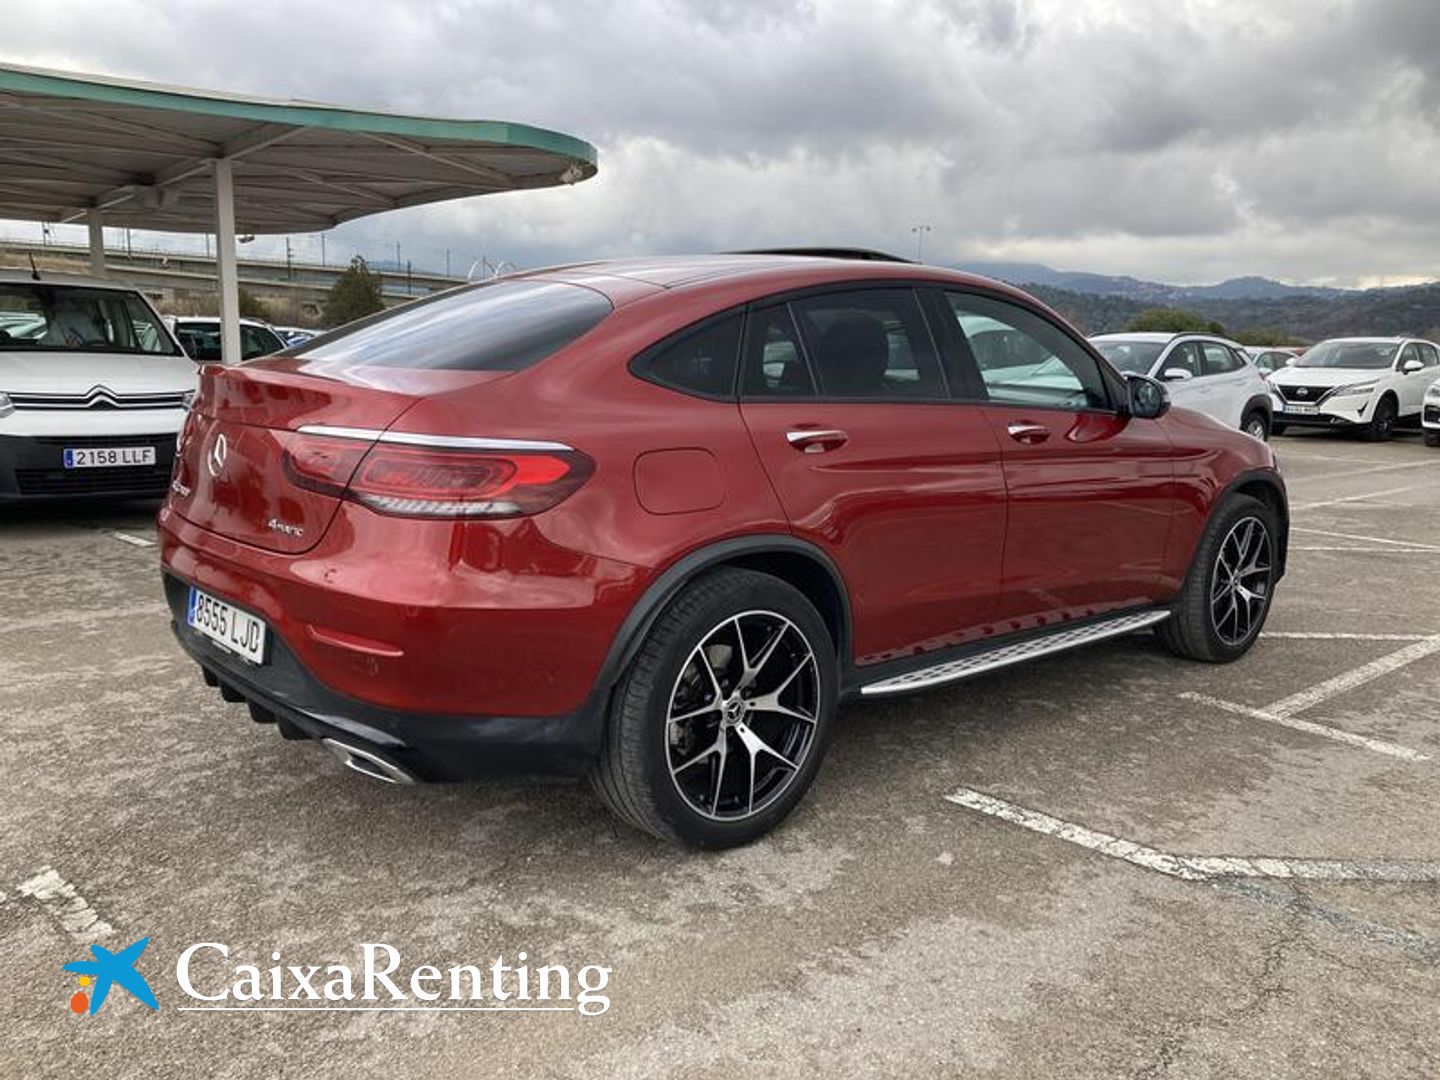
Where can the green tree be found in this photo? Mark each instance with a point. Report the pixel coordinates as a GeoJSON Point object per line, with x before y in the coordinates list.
{"type": "Point", "coordinates": [1263, 336]}
{"type": "Point", "coordinates": [356, 292]}
{"type": "Point", "coordinates": [1173, 320]}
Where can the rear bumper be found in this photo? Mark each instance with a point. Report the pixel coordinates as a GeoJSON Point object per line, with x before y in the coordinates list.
{"type": "Point", "coordinates": [32, 468]}
{"type": "Point", "coordinates": [421, 746]}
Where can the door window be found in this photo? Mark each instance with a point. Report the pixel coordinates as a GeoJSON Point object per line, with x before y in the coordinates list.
{"type": "Point", "coordinates": [775, 363]}
{"type": "Point", "coordinates": [1023, 359]}
{"type": "Point", "coordinates": [1217, 359]}
{"type": "Point", "coordinates": [1408, 353]}
{"type": "Point", "coordinates": [870, 343]}
{"type": "Point", "coordinates": [1184, 357]}
{"type": "Point", "coordinates": [1429, 354]}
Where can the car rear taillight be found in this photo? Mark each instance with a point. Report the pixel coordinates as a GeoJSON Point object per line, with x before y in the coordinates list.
{"type": "Point", "coordinates": [422, 481]}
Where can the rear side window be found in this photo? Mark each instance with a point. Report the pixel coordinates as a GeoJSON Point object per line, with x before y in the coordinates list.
{"type": "Point", "coordinates": [701, 362]}
{"type": "Point", "coordinates": [501, 326]}
{"type": "Point", "coordinates": [870, 343]}
{"type": "Point", "coordinates": [1218, 359]}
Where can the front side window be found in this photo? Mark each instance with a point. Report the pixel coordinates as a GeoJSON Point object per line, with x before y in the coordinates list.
{"type": "Point", "coordinates": [1408, 353]}
{"type": "Point", "coordinates": [870, 343]}
{"type": "Point", "coordinates": [1024, 359]}
{"type": "Point", "coordinates": [1184, 357]}
{"type": "Point", "coordinates": [701, 362]}
{"type": "Point", "coordinates": [39, 317]}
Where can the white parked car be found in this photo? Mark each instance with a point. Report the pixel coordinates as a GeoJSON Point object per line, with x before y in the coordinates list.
{"type": "Point", "coordinates": [93, 389]}
{"type": "Point", "coordinates": [1371, 384]}
{"type": "Point", "coordinates": [1270, 359]}
{"type": "Point", "coordinates": [1202, 372]}
{"type": "Point", "coordinates": [1430, 415]}
{"type": "Point", "coordinates": [199, 335]}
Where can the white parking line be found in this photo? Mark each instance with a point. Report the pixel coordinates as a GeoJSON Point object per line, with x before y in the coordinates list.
{"type": "Point", "coordinates": [1359, 676]}
{"type": "Point", "coordinates": [1328, 476]}
{"type": "Point", "coordinates": [1209, 868]}
{"type": "Point", "coordinates": [1363, 550]}
{"type": "Point", "coordinates": [1379, 746]}
{"type": "Point", "coordinates": [1358, 498]}
{"type": "Point", "coordinates": [71, 910]}
{"type": "Point", "coordinates": [127, 538]}
{"type": "Point", "coordinates": [1324, 635]}
{"type": "Point", "coordinates": [1366, 539]}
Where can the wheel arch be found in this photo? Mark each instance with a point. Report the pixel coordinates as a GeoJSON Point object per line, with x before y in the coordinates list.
{"type": "Point", "coordinates": [794, 561]}
{"type": "Point", "coordinates": [1261, 402]}
{"type": "Point", "coordinates": [1266, 487]}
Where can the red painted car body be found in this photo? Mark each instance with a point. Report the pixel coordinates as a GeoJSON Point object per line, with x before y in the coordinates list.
{"type": "Point", "coordinates": [456, 645]}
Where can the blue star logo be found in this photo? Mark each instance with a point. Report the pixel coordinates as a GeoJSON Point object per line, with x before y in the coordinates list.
{"type": "Point", "coordinates": [108, 969]}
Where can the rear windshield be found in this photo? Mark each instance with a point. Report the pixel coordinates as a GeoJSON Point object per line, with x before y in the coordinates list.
{"type": "Point", "coordinates": [499, 326]}
{"type": "Point", "coordinates": [36, 317]}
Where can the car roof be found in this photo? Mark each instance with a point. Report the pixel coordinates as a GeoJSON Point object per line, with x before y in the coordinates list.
{"type": "Point", "coordinates": [216, 320]}
{"type": "Point", "coordinates": [752, 275]}
{"type": "Point", "coordinates": [15, 275]}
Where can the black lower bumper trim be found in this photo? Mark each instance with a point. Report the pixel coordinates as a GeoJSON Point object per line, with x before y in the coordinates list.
{"type": "Point", "coordinates": [428, 747]}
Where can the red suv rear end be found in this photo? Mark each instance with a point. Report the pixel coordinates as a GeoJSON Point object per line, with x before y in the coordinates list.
{"type": "Point", "coordinates": [653, 520]}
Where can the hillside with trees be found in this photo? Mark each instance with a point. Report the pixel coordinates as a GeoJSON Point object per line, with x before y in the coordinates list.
{"type": "Point", "coordinates": [1409, 310]}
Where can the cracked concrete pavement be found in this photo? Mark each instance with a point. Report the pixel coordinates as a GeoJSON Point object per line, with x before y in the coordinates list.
{"type": "Point", "coordinates": [883, 931]}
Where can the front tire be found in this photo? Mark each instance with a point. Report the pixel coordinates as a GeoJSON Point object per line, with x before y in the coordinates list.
{"type": "Point", "coordinates": [1432, 438]}
{"type": "Point", "coordinates": [1277, 429]}
{"type": "Point", "coordinates": [1256, 425]}
{"type": "Point", "coordinates": [1382, 423]}
{"type": "Point", "coordinates": [720, 724]}
{"type": "Point", "coordinates": [1227, 593]}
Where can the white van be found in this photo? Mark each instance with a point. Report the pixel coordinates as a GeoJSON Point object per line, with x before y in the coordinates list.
{"type": "Point", "coordinates": [93, 389]}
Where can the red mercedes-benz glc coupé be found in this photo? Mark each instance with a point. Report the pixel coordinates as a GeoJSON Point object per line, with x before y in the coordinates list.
{"type": "Point", "coordinates": [653, 520]}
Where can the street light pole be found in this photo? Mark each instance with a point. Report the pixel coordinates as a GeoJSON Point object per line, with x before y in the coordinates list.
{"type": "Point", "coordinates": [920, 231]}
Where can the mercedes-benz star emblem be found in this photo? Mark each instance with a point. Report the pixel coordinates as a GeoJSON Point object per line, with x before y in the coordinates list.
{"type": "Point", "coordinates": [215, 460]}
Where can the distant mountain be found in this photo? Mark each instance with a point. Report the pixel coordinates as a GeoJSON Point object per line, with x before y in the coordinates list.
{"type": "Point", "coordinates": [1153, 293]}
{"type": "Point", "coordinates": [1308, 316]}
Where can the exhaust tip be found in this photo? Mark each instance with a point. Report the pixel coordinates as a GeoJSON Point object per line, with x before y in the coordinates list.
{"type": "Point", "coordinates": [368, 763]}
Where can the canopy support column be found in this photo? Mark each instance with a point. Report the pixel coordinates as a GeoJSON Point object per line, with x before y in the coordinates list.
{"type": "Point", "coordinates": [97, 242]}
{"type": "Point", "coordinates": [225, 262]}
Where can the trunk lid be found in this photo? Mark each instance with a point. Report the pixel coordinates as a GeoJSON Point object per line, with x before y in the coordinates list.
{"type": "Point", "coordinates": [231, 475]}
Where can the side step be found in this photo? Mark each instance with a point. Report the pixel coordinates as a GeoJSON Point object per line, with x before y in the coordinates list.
{"type": "Point", "coordinates": [1019, 652]}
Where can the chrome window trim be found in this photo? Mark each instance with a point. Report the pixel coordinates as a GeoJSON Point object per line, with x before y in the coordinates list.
{"type": "Point", "coordinates": [441, 442]}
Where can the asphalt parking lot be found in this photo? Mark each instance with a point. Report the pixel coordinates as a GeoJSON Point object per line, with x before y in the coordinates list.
{"type": "Point", "coordinates": [1110, 863]}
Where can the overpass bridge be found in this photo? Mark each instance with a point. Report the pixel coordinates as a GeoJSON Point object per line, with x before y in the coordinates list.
{"type": "Point", "coordinates": [178, 275]}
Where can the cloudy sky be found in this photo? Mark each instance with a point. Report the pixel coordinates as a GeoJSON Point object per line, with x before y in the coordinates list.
{"type": "Point", "coordinates": [1180, 140]}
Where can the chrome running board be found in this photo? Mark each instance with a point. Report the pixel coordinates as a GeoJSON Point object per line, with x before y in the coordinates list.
{"type": "Point", "coordinates": [1020, 651]}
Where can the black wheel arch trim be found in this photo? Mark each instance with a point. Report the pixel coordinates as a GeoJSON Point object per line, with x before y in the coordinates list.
{"type": "Point", "coordinates": [1261, 402]}
{"type": "Point", "coordinates": [1271, 479]}
{"type": "Point", "coordinates": [632, 631]}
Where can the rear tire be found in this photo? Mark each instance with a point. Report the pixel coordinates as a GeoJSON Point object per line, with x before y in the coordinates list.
{"type": "Point", "coordinates": [1227, 593]}
{"type": "Point", "coordinates": [721, 722]}
{"type": "Point", "coordinates": [1382, 423]}
{"type": "Point", "coordinates": [1256, 424]}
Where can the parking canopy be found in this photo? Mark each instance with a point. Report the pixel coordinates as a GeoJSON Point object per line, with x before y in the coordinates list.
{"type": "Point", "coordinates": [113, 152]}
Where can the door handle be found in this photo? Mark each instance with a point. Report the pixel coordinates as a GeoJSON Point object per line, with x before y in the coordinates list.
{"type": "Point", "coordinates": [816, 440]}
{"type": "Point", "coordinates": [1028, 433]}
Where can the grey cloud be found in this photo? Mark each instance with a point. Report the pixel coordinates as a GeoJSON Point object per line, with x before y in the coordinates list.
{"type": "Point", "coordinates": [1136, 134]}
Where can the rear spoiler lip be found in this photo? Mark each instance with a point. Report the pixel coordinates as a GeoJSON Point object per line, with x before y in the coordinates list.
{"type": "Point", "coordinates": [439, 442]}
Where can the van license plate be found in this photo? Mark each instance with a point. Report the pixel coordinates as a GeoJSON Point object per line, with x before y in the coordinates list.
{"type": "Point", "coordinates": [108, 457]}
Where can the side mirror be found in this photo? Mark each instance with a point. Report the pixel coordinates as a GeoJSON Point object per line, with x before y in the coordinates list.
{"type": "Point", "coordinates": [1411, 366]}
{"type": "Point", "coordinates": [1148, 398]}
{"type": "Point", "coordinates": [1175, 374]}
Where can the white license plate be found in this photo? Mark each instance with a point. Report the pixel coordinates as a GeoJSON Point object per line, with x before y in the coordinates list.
{"type": "Point", "coordinates": [233, 630]}
{"type": "Point", "coordinates": [1301, 410]}
{"type": "Point", "coordinates": [108, 457]}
